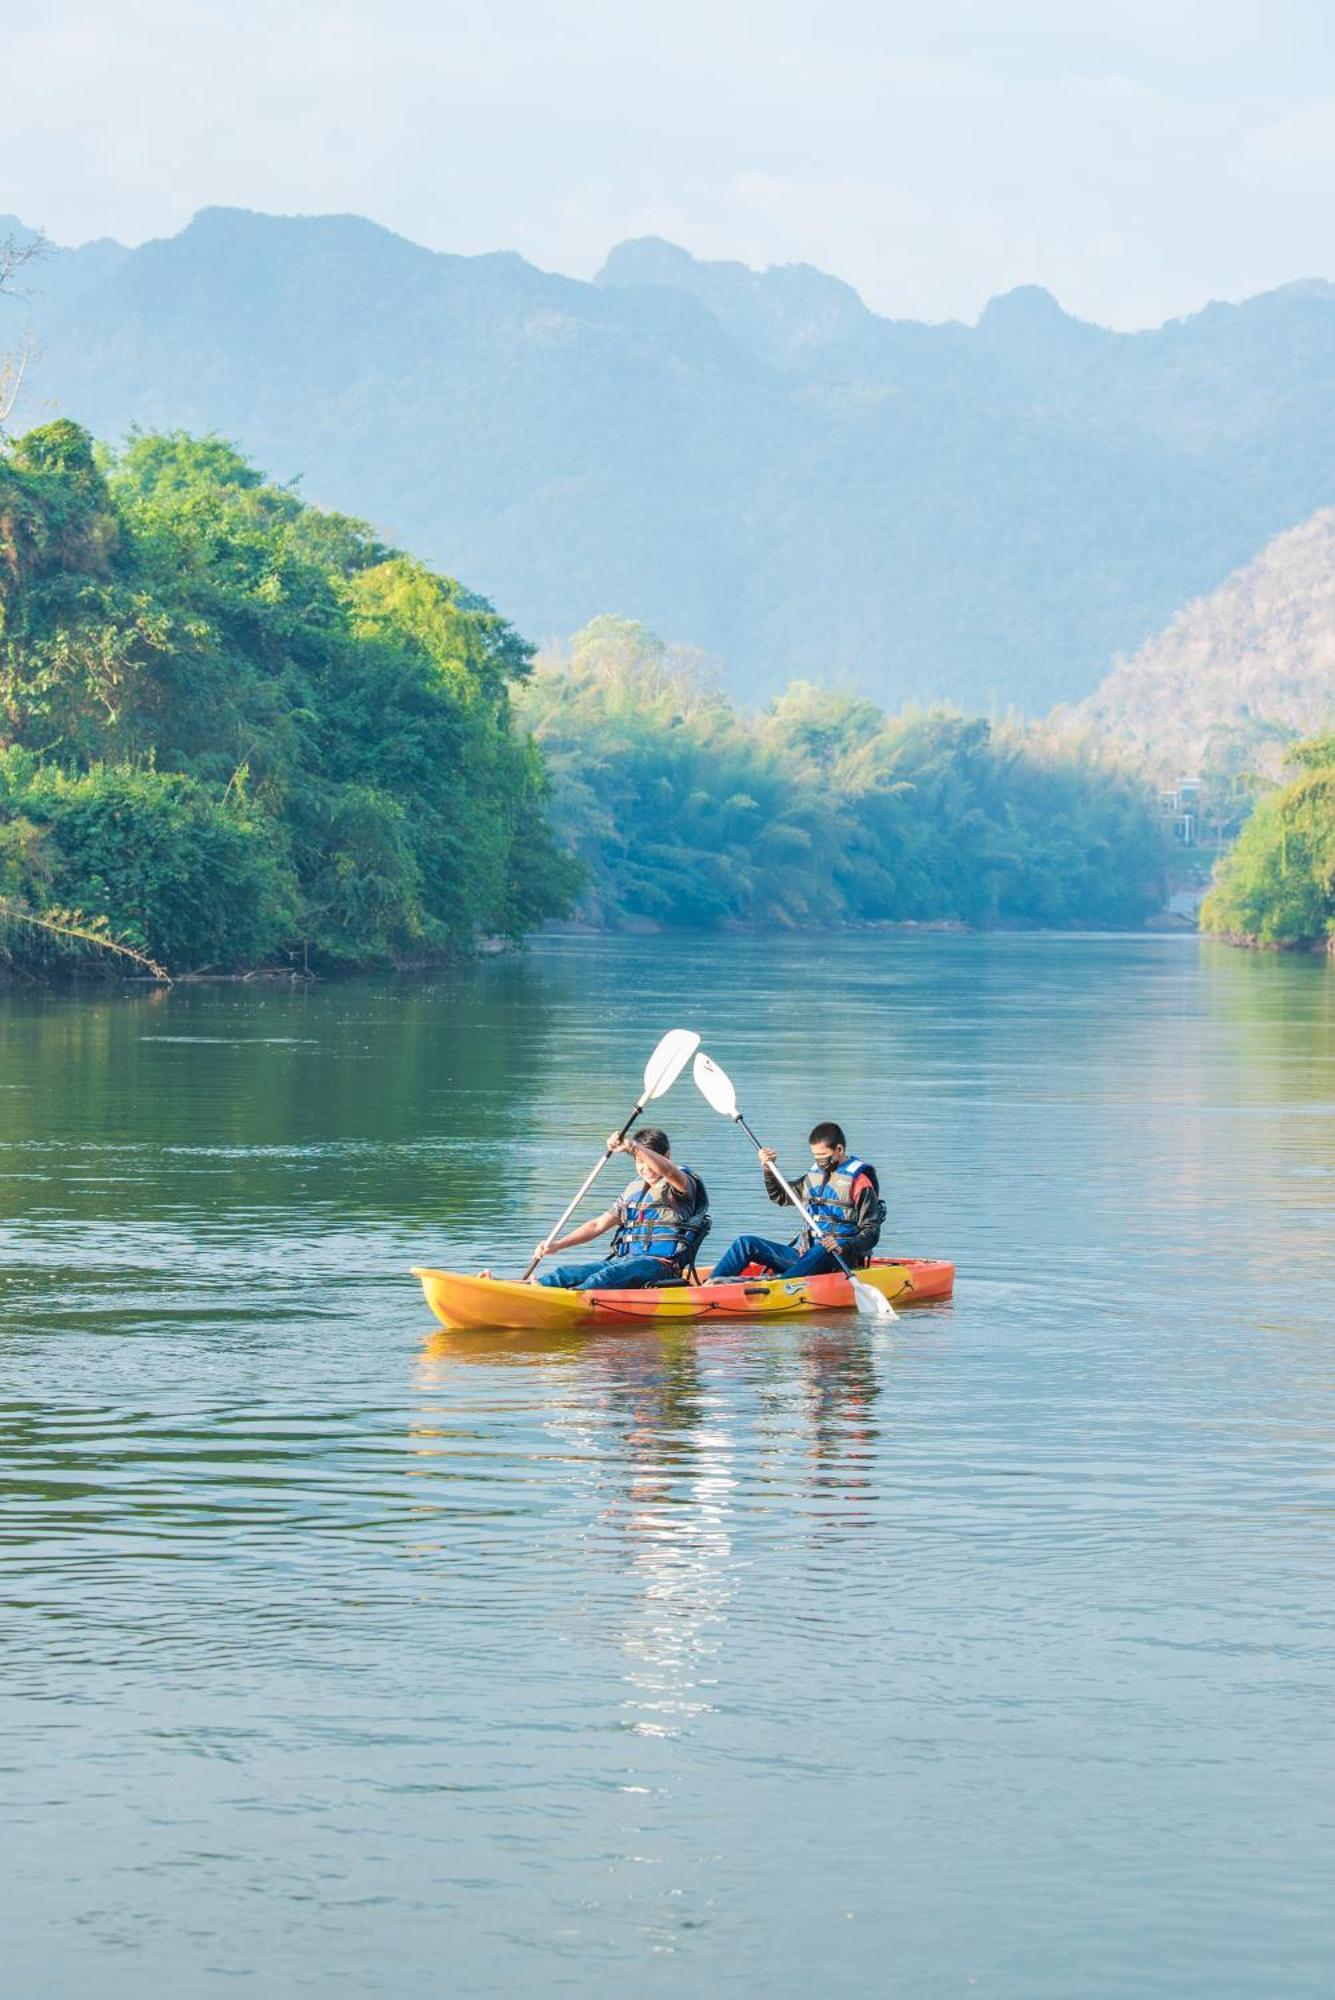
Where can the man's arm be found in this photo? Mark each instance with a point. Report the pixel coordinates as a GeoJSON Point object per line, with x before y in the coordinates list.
{"type": "Point", "coordinates": [584, 1234]}
{"type": "Point", "coordinates": [767, 1156]}
{"type": "Point", "coordinates": [664, 1168]}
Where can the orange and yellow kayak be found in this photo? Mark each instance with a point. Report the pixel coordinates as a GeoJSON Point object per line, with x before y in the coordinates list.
{"type": "Point", "coordinates": [482, 1304]}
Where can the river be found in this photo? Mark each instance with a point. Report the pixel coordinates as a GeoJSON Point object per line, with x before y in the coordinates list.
{"type": "Point", "coordinates": [992, 1651]}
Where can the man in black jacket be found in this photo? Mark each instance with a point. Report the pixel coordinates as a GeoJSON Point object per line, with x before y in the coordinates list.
{"type": "Point", "coordinates": [844, 1197]}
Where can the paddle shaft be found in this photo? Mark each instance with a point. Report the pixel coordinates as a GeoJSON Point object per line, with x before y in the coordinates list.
{"type": "Point", "coordinates": [592, 1177]}
{"type": "Point", "coordinates": [795, 1199]}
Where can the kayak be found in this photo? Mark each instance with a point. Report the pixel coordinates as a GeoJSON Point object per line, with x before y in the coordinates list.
{"type": "Point", "coordinates": [478, 1304]}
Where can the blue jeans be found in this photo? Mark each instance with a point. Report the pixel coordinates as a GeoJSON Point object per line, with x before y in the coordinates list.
{"type": "Point", "coordinates": [618, 1274]}
{"type": "Point", "coordinates": [784, 1259]}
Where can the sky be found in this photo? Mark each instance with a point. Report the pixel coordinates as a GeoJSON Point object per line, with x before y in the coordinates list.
{"type": "Point", "coordinates": [1137, 158]}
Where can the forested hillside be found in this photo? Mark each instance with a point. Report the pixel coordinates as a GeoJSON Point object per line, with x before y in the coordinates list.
{"type": "Point", "coordinates": [234, 729]}
{"type": "Point", "coordinates": [752, 461]}
{"type": "Point", "coordinates": [1237, 675]}
{"type": "Point", "coordinates": [823, 810]}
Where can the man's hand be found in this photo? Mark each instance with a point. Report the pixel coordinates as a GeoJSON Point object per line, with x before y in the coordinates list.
{"type": "Point", "coordinates": [544, 1249]}
{"type": "Point", "coordinates": [829, 1242]}
{"type": "Point", "coordinates": [767, 1156]}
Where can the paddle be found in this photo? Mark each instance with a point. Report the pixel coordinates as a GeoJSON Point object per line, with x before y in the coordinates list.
{"type": "Point", "coordinates": [661, 1071]}
{"type": "Point", "coordinates": [716, 1086]}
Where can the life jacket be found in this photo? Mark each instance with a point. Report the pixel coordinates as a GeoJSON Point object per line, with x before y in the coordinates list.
{"type": "Point", "coordinates": [666, 1228]}
{"type": "Point", "coordinates": [829, 1196]}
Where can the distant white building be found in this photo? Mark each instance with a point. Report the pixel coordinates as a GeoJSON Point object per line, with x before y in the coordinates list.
{"type": "Point", "coordinates": [1181, 805]}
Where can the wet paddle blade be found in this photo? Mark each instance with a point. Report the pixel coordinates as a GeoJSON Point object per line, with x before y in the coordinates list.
{"type": "Point", "coordinates": [715, 1085]}
{"type": "Point", "coordinates": [668, 1061]}
{"type": "Point", "coordinates": [870, 1303]}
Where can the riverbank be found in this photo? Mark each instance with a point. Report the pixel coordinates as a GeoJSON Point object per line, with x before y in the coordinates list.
{"type": "Point", "coordinates": [1293, 947]}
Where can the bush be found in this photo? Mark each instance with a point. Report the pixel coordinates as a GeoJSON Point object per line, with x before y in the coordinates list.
{"type": "Point", "coordinates": [170, 871]}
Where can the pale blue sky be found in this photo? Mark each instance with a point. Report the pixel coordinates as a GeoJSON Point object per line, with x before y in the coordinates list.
{"type": "Point", "coordinates": [1136, 158]}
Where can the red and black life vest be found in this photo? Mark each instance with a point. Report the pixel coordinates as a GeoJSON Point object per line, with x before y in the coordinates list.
{"type": "Point", "coordinates": [828, 1193]}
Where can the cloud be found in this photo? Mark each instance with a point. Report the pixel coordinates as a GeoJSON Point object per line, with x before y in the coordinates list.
{"type": "Point", "coordinates": [1290, 149]}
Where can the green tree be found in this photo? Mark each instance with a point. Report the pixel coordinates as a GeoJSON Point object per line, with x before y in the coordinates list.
{"type": "Point", "coordinates": [168, 612]}
{"type": "Point", "coordinates": [1277, 885]}
{"type": "Point", "coordinates": [686, 811]}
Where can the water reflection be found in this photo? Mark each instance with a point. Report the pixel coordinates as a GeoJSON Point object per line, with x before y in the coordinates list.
{"type": "Point", "coordinates": [630, 1422]}
{"type": "Point", "coordinates": [656, 1427]}
{"type": "Point", "coordinates": [360, 1100]}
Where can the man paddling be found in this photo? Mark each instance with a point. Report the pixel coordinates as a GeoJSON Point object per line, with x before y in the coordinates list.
{"type": "Point", "coordinates": [844, 1197]}
{"type": "Point", "coordinates": [660, 1222]}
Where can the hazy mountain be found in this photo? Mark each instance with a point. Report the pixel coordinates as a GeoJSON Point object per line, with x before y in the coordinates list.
{"type": "Point", "coordinates": [775, 314]}
{"type": "Point", "coordinates": [1237, 674]}
{"type": "Point", "coordinates": [751, 461]}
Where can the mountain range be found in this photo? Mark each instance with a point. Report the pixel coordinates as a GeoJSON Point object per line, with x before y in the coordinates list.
{"type": "Point", "coordinates": [750, 461]}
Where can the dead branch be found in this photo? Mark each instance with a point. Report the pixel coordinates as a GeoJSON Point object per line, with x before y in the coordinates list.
{"type": "Point", "coordinates": [86, 935]}
{"type": "Point", "coordinates": [15, 253]}
{"type": "Point", "coordinates": [13, 367]}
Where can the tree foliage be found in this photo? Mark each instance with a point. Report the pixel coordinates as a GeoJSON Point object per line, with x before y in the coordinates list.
{"type": "Point", "coordinates": [1277, 885]}
{"type": "Point", "coordinates": [685, 810]}
{"type": "Point", "coordinates": [235, 727]}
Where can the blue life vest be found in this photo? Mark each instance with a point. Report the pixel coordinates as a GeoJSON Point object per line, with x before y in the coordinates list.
{"type": "Point", "coordinates": [829, 1196]}
{"type": "Point", "coordinates": [673, 1228]}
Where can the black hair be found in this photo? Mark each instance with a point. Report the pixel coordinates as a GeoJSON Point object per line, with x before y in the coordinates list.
{"type": "Point", "coordinates": [828, 1134]}
{"type": "Point", "coordinates": [650, 1136]}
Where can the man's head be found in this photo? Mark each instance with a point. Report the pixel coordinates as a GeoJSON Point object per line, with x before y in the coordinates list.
{"type": "Point", "coordinates": [656, 1141]}
{"type": "Point", "coordinates": [828, 1144]}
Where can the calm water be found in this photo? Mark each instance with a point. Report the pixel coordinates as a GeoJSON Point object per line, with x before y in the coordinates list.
{"type": "Point", "coordinates": [995, 1653]}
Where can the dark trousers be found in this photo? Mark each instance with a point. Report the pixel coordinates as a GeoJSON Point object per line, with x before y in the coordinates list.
{"type": "Point", "coordinates": [617, 1274]}
{"type": "Point", "coordinates": [785, 1260]}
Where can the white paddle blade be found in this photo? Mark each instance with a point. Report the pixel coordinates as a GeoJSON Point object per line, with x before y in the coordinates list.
{"type": "Point", "coordinates": [715, 1085]}
{"type": "Point", "coordinates": [668, 1061]}
{"type": "Point", "coordinates": [870, 1303]}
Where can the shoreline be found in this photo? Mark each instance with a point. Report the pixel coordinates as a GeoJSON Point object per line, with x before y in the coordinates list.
{"type": "Point", "coordinates": [1287, 947]}
{"type": "Point", "coordinates": [95, 978]}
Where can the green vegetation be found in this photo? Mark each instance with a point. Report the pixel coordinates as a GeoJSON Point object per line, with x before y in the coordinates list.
{"type": "Point", "coordinates": [234, 729]}
{"type": "Point", "coordinates": [1277, 886]}
{"type": "Point", "coordinates": [686, 811]}
{"type": "Point", "coordinates": [237, 731]}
